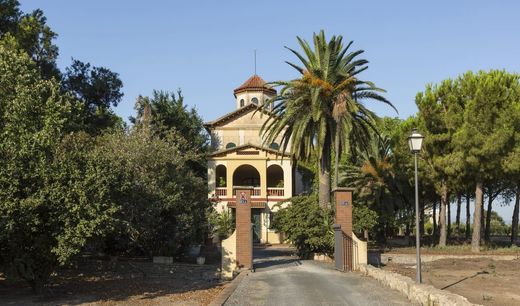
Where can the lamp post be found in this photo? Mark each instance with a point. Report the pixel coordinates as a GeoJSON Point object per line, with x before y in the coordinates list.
{"type": "Point", "coordinates": [415, 143]}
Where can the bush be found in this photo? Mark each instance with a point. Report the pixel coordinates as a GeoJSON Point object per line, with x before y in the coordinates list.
{"type": "Point", "coordinates": [307, 226]}
{"type": "Point", "coordinates": [221, 224]}
{"type": "Point", "coordinates": [363, 218]}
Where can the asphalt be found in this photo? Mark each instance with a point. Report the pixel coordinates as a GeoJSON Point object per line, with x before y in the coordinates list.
{"type": "Point", "coordinates": [281, 279]}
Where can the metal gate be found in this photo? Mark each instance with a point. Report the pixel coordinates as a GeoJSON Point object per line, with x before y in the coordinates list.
{"type": "Point", "coordinates": [345, 250]}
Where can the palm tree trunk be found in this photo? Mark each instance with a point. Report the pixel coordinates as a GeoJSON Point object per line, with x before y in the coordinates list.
{"type": "Point", "coordinates": [514, 224]}
{"type": "Point", "coordinates": [457, 216]}
{"type": "Point", "coordinates": [487, 233]}
{"type": "Point", "coordinates": [336, 162]}
{"type": "Point", "coordinates": [475, 239]}
{"type": "Point", "coordinates": [442, 215]}
{"type": "Point", "coordinates": [468, 216]}
{"type": "Point", "coordinates": [324, 177]}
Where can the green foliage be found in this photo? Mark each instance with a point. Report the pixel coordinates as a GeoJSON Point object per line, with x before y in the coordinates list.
{"type": "Point", "coordinates": [380, 177]}
{"type": "Point", "coordinates": [60, 192]}
{"type": "Point", "coordinates": [363, 218]}
{"type": "Point", "coordinates": [323, 106]}
{"type": "Point", "coordinates": [222, 224]}
{"type": "Point", "coordinates": [307, 226]}
{"type": "Point", "coordinates": [30, 33]}
{"type": "Point", "coordinates": [42, 223]}
{"type": "Point", "coordinates": [168, 111]}
{"type": "Point", "coordinates": [161, 200]}
{"type": "Point", "coordinates": [428, 228]}
{"type": "Point", "coordinates": [221, 182]}
{"type": "Point", "coordinates": [97, 88]}
{"type": "Point", "coordinates": [498, 226]}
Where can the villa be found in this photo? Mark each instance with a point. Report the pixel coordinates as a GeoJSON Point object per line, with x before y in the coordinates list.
{"type": "Point", "coordinates": [239, 157]}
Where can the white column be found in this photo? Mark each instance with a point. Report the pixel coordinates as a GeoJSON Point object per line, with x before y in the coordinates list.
{"type": "Point", "coordinates": [212, 183]}
{"type": "Point", "coordinates": [287, 178]}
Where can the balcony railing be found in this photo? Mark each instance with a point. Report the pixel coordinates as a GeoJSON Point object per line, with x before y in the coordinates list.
{"type": "Point", "coordinates": [256, 192]}
{"type": "Point", "coordinates": [275, 191]}
{"type": "Point", "coordinates": [221, 191]}
{"type": "Point", "coordinates": [271, 191]}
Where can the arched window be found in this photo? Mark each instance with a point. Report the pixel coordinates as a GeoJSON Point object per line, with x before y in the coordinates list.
{"type": "Point", "coordinates": [274, 146]}
{"type": "Point", "coordinates": [275, 176]}
{"type": "Point", "coordinates": [246, 175]}
{"type": "Point", "coordinates": [220, 172]}
{"type": "Point", "coordinates": [254, 101]}
{"type": "Point", "coordinates": [230, 145]}
{"type": "Point", "coordinates": [242, 102]}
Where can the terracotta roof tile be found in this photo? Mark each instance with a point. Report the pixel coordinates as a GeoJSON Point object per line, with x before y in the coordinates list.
{"type": "Point", "coordinates": [255, 83]}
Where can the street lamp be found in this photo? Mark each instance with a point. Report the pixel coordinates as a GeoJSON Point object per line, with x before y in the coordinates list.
{"type": "Point", "coordinates": [415, 143]}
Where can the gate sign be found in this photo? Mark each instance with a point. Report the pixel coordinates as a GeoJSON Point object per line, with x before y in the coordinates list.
{"type": "Point", "coordinates": [243, 199]}
{"type": "Point", "coordinates": [344, 203]}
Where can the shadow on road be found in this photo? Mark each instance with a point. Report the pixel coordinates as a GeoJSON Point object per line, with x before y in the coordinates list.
{"type": "Point", "coordinates": [274, 257]}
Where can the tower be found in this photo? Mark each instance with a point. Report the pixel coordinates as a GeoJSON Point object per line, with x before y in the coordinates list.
{"type": "Point", "coordinates": [253, 91]}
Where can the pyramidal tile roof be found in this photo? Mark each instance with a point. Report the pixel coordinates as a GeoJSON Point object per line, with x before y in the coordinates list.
{"type": "Point", "coordinates": [255, 83]}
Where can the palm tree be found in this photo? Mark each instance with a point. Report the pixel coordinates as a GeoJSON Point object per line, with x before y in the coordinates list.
{"type": "Point", "coordinates": [378, 183]}
{"type": "Point", "coordinates": [323, 106]}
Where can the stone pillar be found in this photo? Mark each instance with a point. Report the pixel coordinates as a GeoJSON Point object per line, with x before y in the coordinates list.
{"type": "Point", "coordinates": [343, 197]}
{"type": "Point", "coordinates": [244, 232]}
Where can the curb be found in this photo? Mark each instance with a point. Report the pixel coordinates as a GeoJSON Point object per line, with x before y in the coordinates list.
{"type": "Point", "coordinates": [410, 258]}
{"type": "Point", "coordinates": [224, 295]}
{"type": "Point", "coordinates": [419, 293]}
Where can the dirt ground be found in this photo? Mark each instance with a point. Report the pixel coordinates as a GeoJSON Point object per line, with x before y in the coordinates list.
{"type": "Point", "coordinates": [482, 280]}
{"type": "Point", "coordinates": [128, 283]}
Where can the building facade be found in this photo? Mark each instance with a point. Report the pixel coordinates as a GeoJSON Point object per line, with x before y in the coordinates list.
{"type": "Point", "coordinates": [239, 157]}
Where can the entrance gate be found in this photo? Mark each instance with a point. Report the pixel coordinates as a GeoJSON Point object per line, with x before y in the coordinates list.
{"type": "Point", "coordinates": [237, 250]}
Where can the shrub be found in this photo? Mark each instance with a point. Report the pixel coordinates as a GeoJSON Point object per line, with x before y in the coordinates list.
{"type": "Point", "coordinates": [221, 224]}
{"type": "Point", "coordinates": [307, 226]}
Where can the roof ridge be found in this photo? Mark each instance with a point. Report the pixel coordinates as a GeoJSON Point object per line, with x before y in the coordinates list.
{"type": "Point", "coordinates": [255, 82]}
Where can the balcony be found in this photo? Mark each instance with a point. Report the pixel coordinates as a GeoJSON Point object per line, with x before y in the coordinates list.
{"type": "Point", "coordinates": [247, 175]}
{"type": "Point", "coordinates": [275, 192]}
{"type": "Point", "coordinates": [256, 192]}
{"type": "Point", "coordinates": [221, 191]}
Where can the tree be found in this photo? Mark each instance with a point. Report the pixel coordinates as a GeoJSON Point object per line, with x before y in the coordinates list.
{"type": "Point", "coordinates": [168, 111]}
{"type": "Point", "coordinates": [511, 165]}
{"type": "Point", "coordinates": [487, 133]}
{"type": "Point", "coordinates": [322, 105]}
{"type": "Point", "coordinates": [47, 209]}
{"type": "Point", "coordinates": [98, 89]}
{"type": "Point", "coordinates": [440, 114]}
{"type": "Point", "coordinates": [156, 185]}
{"type": "Point", "coordinates": [363, 219]}
{"type": "Point", "coordinates": [30, 33]}
{"type": "Point", "coordinates": [379, 175]}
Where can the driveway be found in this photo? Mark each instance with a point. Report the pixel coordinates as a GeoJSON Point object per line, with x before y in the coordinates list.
{"type": "Point", "coordinates": [282, 279]}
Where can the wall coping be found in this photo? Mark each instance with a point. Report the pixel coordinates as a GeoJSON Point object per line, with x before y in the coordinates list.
{"type": "Point", "coordinates": [418, 293]}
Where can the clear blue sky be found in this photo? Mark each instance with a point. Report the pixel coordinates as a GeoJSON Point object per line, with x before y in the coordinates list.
{"type": "Point", "coordinates": [206, 47]}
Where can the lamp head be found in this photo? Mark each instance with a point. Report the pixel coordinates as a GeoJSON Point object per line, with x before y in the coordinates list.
{"type": "Point", "coordinates": [415, 141]}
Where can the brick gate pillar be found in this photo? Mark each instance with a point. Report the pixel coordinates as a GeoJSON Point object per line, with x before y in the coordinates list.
{"type": "Point", "coordinates": [343, 199]}
{"type": "Point", "coordinates": [343, 247]}
{"type": "Point", "coordinates": [244, 232]}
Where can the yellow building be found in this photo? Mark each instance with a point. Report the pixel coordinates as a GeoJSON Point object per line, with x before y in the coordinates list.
{"type": "Point", "coordinates": [239, 158]}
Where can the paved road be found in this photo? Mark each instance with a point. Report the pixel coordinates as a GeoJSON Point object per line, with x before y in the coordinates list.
{"type": "Point", "coordinates": [281, 279]}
